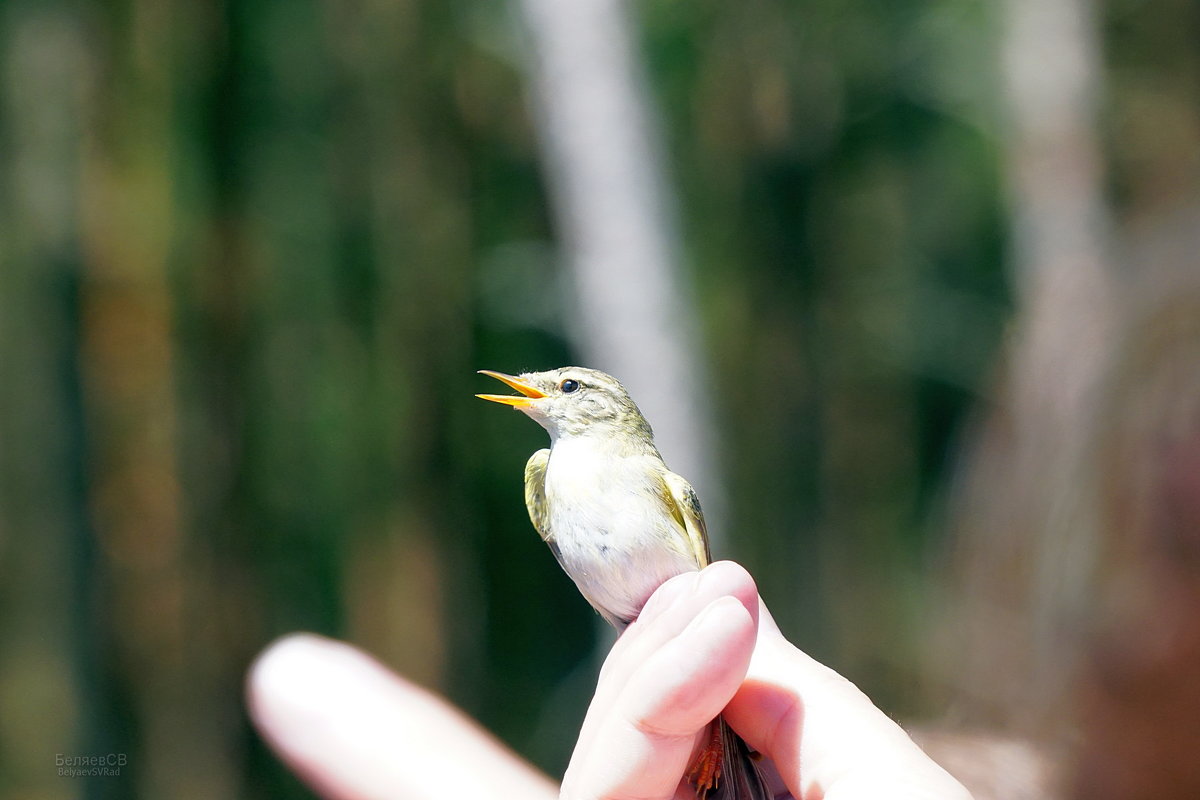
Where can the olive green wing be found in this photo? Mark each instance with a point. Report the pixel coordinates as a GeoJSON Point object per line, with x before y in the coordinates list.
{"type": "Point", "coordinates": [535, 494]}
{"type": "Point", "coordinates": [685, 506]}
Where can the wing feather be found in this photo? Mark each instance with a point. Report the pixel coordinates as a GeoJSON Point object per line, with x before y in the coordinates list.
{"type": "Point", "coordinates": [535, 495]}
{"type": "Point", "coordinates": [685, 505]}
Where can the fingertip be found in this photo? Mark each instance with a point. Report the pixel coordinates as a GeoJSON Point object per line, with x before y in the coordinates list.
{"type": "Point", "coordinates": [728, 578]}
{"type": "Point", "coordinates": [312, 699]}
{"type": "Point", "coordinates": [283, 671]}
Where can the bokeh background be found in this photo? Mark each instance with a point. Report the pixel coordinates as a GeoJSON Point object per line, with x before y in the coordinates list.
{"type": "Point", "coordinates": [935, 261]}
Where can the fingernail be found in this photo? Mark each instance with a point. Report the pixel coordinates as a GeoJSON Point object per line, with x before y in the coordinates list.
{"type": "Point", "coordinates": [718, 609]}
{"type": "Point", "coordinates": [669, 594]}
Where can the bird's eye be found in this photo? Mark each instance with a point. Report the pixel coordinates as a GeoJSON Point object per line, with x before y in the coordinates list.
{"type": "Point", "coordinates": [569, 385]}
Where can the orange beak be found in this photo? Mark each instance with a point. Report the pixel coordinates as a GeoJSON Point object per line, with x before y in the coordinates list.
{"type": "Point", "coordinates": [530, 393]}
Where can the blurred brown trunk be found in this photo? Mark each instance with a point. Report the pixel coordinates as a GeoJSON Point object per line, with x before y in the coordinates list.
{"type": "Point", "coordinates": [1140, 683]}
{"type": "Point", "coordinates": [410, 577]}
{"type": "Point", "coordinates": [1026, 515]}
{"type": "Point", "coordinates": [158, 589]}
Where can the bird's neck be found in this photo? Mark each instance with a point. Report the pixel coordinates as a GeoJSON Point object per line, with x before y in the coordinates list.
{"type": "Point", "coordinates": [603, 445]}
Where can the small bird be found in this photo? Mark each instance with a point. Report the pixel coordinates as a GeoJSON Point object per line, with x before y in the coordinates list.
{"type": "Point", "coordinates": [619, 522]}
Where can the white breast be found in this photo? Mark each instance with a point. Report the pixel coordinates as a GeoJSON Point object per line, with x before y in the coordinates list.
{"type": "Point", "coordinates": [615, 534]}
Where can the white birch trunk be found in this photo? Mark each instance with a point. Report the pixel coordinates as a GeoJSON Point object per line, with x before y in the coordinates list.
{"type": "Point", "coordinates": [630, 308]}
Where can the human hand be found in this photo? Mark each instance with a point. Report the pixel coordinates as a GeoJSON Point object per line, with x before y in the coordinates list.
{"type": "Point", "coordinates": [704, 642]}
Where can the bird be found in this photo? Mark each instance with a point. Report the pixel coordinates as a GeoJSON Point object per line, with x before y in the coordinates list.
{"type": "Point", "coordinates": [619, 522]}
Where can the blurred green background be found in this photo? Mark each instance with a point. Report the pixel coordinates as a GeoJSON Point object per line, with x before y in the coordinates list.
{"type": "Point", "coordinates": [252, 252]}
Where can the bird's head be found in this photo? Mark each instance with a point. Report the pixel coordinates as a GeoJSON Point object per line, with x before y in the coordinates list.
{"type": "Point", "coordinates": [575, 401]}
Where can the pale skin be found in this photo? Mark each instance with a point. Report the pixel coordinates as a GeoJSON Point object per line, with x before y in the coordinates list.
{"type": "Point", "coordinates": [703, 643]}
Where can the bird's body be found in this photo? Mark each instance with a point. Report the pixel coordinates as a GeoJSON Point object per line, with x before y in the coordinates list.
{"type": "Point", "coordinates": [610, 521]}
{"type": "Point", "coordinates": [619, 522]}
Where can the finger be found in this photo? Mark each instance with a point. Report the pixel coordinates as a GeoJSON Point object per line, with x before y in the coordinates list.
{"type": "Point", "coordinates": [668, 611]}
{"type": "Point", "coordinates": [642, 743]}
{"type": "Point", "coordinates": [827, 739]}
{"type": "Point", "coordinates": [672, 606]}
{"type": "Point", "coordinates": [355, 731]}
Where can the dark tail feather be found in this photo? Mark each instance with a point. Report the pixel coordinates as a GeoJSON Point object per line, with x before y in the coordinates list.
{"type": "Point", "coordinates": [741, 775]}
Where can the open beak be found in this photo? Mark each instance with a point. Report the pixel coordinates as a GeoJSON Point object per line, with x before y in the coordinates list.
{"type": "Point", "coordinates": [530, 393]}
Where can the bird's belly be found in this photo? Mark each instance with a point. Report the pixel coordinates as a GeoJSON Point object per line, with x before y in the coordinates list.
{"type": "Point", "coordinates": [618, 542]}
